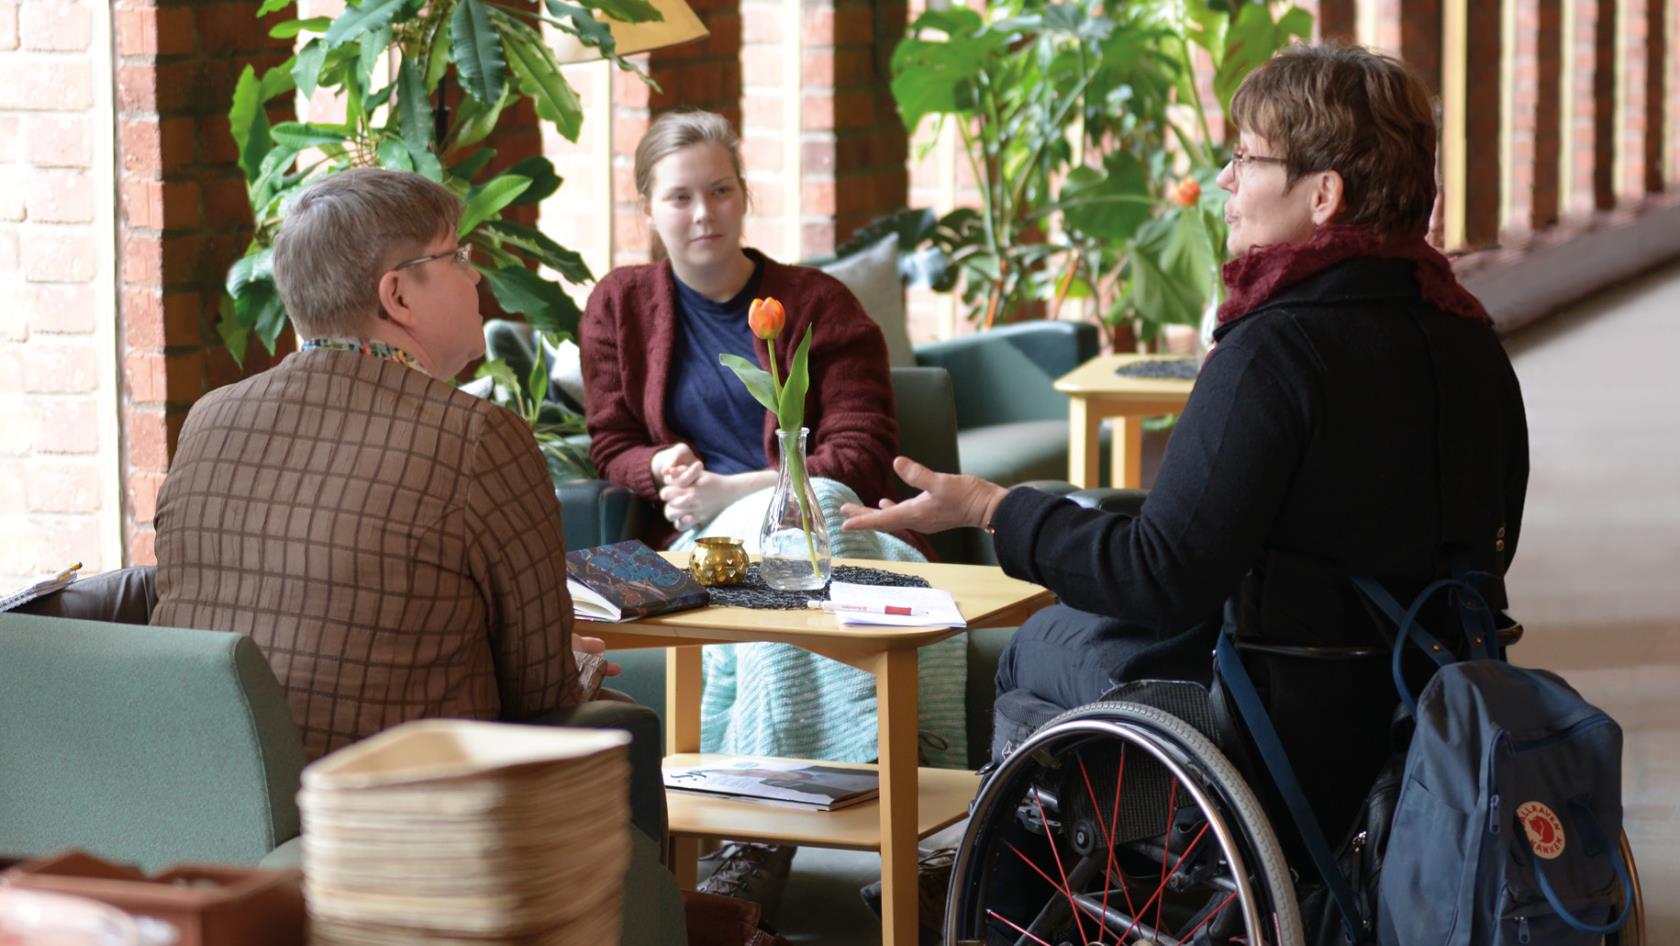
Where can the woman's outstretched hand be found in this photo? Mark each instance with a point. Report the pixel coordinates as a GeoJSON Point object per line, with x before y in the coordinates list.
{"type": "Point", "coordinates": [947, 501]}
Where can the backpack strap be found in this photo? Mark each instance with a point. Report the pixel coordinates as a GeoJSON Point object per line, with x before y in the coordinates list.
{"type": "Point", "coordinates": [1253, 712]}
{"type": "Point", "coordinates": [1472, 608]}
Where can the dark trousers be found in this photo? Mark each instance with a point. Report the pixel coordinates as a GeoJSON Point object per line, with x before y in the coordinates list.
{"type": "Point", "coordinates": [1066, 656]}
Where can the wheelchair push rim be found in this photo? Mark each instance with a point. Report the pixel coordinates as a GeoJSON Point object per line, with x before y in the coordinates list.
{"type": "Point", "coordinates": [1250, 878]}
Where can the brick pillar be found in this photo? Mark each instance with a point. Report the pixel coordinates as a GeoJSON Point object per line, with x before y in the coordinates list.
{"type": "Point", "coordinates": [1658, 63]}
{"type": "Point", "coordinates": [54, 493]}
{"type": "Point", "coordinates": [182, 220]}
{"type": "Point", "coordinates": [1482, 172]}
{"type": "Point", "coordinates": [853, 146]}
{"type": "Point", "coordinates": [1338, 20]}
{"type": "Point", "coordinates": [1420, 39]}
{"type": "Point", "coordinates": [1546, 203]}
{"type": "Point", "coordinates": [705, 74]}
{"type": "Point", "coordinates": [1603, 37]}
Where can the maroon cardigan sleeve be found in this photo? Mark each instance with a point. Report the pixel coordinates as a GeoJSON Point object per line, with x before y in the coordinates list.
{"type": "Point", "coordinates": [617, 373]}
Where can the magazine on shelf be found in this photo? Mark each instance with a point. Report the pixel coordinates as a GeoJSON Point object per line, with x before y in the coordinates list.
{"type": "Point", "coordinates": [777, 781]}
{"type": "Point", "coordinates": [627, 580]}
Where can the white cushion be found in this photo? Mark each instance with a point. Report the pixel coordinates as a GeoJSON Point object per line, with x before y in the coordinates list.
{"type": "Point", "coordinates": [566, 369]}
{"type": "Point", "coordinates": [872, 276]}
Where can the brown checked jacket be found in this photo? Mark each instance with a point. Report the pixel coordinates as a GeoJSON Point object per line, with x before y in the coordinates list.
{"type": "Point", "coordinates": [392, 544]}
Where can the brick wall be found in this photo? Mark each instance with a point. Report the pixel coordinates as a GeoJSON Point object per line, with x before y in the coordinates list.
{"type": "Point", "coordinates": [182, 220]}
{"type": "Point", "coordinates": [57, 496]}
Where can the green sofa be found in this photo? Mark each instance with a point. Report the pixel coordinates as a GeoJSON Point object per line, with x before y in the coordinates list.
{"type": "Point", "coordinates": [155, 746]}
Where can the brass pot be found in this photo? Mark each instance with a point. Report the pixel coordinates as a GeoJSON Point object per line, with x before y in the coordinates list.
{"type": "Point", "coordinates": [718, 561]}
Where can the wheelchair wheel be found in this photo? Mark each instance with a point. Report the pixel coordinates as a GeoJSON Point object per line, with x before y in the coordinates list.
{"type": "Point", "coordinates": [1118, 823]}
{"type": "Point", "coordinates": [1632, 932]}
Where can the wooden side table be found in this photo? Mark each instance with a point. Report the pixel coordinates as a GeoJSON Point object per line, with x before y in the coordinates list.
{"type": "Point", "coordinates": [913, 803]}
{"type": "Point", "coordinates": [1094, 392]}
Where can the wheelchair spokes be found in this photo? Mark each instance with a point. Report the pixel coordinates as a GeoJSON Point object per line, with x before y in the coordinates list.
{"type": "Point", "coordinates": [1101, 832]}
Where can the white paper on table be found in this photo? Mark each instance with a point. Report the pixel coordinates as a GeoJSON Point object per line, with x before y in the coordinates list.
{"type": "Point", "coordinates": [941, 608]}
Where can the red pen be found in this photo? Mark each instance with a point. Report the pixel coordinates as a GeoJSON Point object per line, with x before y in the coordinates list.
{"type": "Point", "coordinates": [895, 609]}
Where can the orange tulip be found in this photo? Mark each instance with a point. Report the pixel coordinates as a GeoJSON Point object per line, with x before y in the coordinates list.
{"type": "Point", "coordinates": [1187, 192]}
{"type": "Point", "coordinates": [766, 317]}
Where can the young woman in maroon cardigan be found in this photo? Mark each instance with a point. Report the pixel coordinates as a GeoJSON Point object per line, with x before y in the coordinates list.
{"type": "Point", "coordinates": [669, 422]}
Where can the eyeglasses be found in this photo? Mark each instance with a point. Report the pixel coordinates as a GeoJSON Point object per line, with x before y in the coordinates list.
{"type": "Point", "coordinates": [1242, 160]}
{"type": "Point", "coordinates": [462, 254]}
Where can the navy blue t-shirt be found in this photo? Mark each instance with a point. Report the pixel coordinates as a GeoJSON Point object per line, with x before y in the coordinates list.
{"type": "Point", "coordinates": [704, 402]}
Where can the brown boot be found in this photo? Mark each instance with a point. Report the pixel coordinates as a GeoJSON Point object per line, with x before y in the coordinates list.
{"type": "Point", "coordinates": [749, 870]}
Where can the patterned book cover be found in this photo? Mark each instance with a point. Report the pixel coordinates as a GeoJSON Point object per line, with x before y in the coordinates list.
{"type": "Point", "coordinates": [631, 580]}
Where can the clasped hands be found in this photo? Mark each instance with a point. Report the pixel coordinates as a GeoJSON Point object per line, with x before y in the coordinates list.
{"type": "Point", "coordinates": [947, 501]}
{"type": "Point", "coordinates": [692, 494]}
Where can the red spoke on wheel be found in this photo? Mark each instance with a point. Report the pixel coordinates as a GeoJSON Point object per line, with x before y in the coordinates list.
{"type": "Point", "coordinates": [1166, 846]}
{"type": "Point", "coordinates": [1066, 891]}
{"type": "Point", "coordinates": [996, 915]}
{"type": "Point", "coordinates": [1185, 936]}
{"type": "Point", "coordinates": [1067, 888]}
{"type": "Point", "coordinates": [1113, 828]}
{"type": "Point", "coordinates": [1162, 889]}
{"type": "Point", "coordinates": [1108, 852]}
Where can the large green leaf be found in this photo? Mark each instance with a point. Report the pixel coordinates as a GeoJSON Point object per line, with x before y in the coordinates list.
{"type": "Point", "coordinates": [468, 167]}
{"type": "Point", "coordinates": [394, 155]}
{"type": "Point", "coordinates": [589, 30]}
{"type": "Point", "coordinates": [355, 22]}
{"type": "Point", "coordinates": [544, 182]}
{"type": "Point", "coordinates": [1109, 204]}
{"type": "Point", "coordinates": [489, 200]}
{"type": "Point", "coordinates": [627, 11]}
{"type": "Point", "coordinates": [757, 380]}
{"type": "Point", "coordinates": [248, 122]}
{"type": "Point", "coordinates": [791, 412]}
{"type": "Point", "coordinates": [291, 28]}
{"type": "Point", "coordinates": [306, 72]}
{"type": "Point", "coordinates": [540, 78]}
{"type": "Point", "coordinates": [935, 77]}
{"type": "Point", "coordinates": [256, 266]}
{"type": "Point", "coordinates": [278, 80]}
{"type": "Point", "coordinates": [437, 55]}
{"type": "Point", "coordinates": [414, 106]}
{"type": "Point", "coordinates": [477, 51]}
{"type": "Point", "coordinates": [544, 304]}
{"type": "Point", "coordinates": [474, 121]}
{"type": "Point", "coordinates": [372, 50]}
{"type": "Point", "coordinates": [301, 135]}
{"type": "Point", "coordinates": [235, 336]}
{"type": "Point", "coordinates": [567, 263]}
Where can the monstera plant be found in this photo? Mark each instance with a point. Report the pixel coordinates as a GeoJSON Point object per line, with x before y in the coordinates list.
{"type": "Point", "coordinates": [423, 83]}
{"type": "Point", "coordinates": [1084, 128]}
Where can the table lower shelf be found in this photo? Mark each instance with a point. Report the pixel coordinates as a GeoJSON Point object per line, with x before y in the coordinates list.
{"type": "Point", "coordinates": [942, 799]}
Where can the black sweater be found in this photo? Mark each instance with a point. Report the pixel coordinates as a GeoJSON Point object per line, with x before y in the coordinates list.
{"type": "Point", "coordinates": [1314, 430]}
{"type": "Point", "coordinates": [1346, 427]}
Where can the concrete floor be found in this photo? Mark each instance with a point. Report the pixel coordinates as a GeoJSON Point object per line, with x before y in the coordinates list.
{"type": "Point", "coordinates": [1594, 580]}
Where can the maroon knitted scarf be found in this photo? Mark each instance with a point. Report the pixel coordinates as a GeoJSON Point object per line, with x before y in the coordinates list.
{"type": "Point", "coordinates": [1256, 277]}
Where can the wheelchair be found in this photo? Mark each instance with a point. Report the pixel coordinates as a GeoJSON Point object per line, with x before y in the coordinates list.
{"type": "Point", "coordinates": [1124, 822]}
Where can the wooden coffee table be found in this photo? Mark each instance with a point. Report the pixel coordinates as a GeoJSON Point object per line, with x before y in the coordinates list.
{"type": "Point", "coordinates": [913, 803]}
{"type": "Point", "coordinates": [1094, 392]}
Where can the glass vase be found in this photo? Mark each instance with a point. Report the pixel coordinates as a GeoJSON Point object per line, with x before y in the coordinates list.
{"type": "Point", "coordinates": [794, 538]}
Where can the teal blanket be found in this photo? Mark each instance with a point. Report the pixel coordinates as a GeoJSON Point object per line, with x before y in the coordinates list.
{"type": "Point", "coordinates": [778, 700]}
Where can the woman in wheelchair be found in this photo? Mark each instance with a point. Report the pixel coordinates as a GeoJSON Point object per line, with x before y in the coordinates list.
{"type": "Point", "coordinates": [1356, 417]}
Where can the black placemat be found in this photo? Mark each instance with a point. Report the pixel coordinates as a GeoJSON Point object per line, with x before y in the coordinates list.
{"type": "Point", "coordinates": [1176, 369]}
{"type": "Point", "coordinates": [752, 592]}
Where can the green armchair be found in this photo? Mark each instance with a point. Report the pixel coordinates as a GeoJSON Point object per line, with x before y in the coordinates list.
{"type": "Point", "coordinates": [156, 745]}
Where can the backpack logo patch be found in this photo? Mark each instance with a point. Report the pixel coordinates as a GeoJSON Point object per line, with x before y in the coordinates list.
{"type": "Point", "coordinates": [1544, 830]}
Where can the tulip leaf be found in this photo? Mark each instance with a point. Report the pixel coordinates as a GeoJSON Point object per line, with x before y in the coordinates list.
{"type": "Point", "coordinates": [477, 51]}
{"type": "Point", "coordinates": [791, 413]}
{"type": "Point", "coordinates": [755, 378]}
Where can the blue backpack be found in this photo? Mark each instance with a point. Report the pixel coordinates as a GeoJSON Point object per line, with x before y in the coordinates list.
{"type": "Point", "coordinates": [1509, 817]}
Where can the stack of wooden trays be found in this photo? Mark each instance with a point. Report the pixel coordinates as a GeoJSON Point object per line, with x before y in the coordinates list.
{"type": "Point", "coordinates": [447, 831]}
